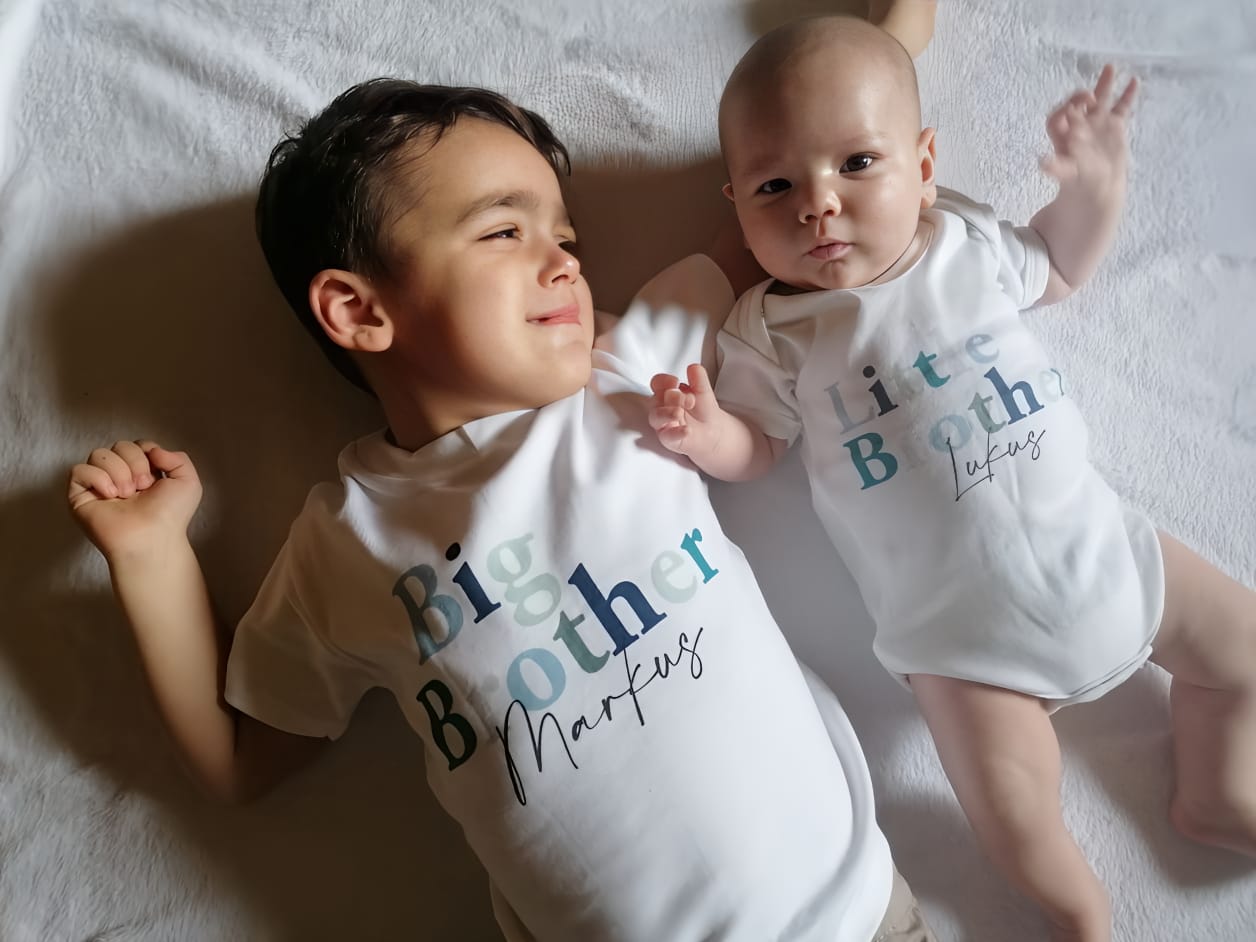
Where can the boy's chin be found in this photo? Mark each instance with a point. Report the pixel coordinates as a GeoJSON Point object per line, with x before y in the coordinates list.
{"type": "Point", "coordinates": [568, 383]}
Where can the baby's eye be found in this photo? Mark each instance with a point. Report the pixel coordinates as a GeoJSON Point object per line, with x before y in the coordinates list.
{"type": "Point", "coordinates": [569, 246]}
{"type": "Point", "coordinates": [776, 185]}
{"type": "Point", "coordinates": [857, 163]}
{"type": "Point", "coordinates": [509, 232]}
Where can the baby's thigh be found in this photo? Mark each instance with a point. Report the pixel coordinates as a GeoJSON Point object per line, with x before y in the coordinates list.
{"type": "Point", "coordinates": [1207, 634]}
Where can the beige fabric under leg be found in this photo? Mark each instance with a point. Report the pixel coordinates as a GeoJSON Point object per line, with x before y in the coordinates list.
{"type": "Point", "coordinates": [903, 920]}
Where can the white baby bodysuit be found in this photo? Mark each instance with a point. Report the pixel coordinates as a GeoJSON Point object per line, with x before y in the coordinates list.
{"type": "Point", "coordinates": [949, 465]}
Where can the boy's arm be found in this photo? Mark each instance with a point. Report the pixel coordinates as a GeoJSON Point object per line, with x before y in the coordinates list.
{"type": "Point", "coordinates": [1079, 225]}
{"type": "Point", "coordinates": [135, 502]}
{"type": "Point", "coordinates": [690, 421]}
{"type": "Point", "coordinates": [908, 21]}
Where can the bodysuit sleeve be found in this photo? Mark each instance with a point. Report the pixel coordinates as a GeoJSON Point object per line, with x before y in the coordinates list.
{"type": "Point", "coordinates": [282, 669]}
{"type": "Point", "coordinates": [752, 382]}
{"type": "Point", "coordinates": [1024, 264]}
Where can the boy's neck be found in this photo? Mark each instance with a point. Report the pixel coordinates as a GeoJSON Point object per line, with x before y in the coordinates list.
{"type": "Point", "coordinates": [409, 439]}
{"type": "Point", "coordinates": [416, 419]}
{"type": "Point", "coordinates": [411, 422]}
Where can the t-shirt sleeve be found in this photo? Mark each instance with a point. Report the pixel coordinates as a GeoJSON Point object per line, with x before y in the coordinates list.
{"type": "Point", "coordinates": [282, 669]}
{"type": "Point", "coordinates": [671, 322]}
{"type": "Point", "coordinates": [1023, 260]}
{"type": "Point", "coordinates": [752, 381]}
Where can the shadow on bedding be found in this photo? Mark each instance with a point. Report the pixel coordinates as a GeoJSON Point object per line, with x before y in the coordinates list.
{"type": "Point", "coordinates": [171, 329]}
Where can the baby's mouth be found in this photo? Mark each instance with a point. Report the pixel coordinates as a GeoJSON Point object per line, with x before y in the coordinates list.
{"type": "Point", "coordinates": [828, 250]}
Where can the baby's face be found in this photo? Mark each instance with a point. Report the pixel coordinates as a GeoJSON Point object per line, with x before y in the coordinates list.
{"type": "Point", "coordinates": [829, 171]}
{"type": "Point", "coordinates": [490, 309]}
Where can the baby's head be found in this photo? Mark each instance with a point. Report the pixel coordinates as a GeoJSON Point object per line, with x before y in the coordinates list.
{"type": "Point", "coordinates": [420, 234]}
{"type": "Point", "coordinates": [828, 165]}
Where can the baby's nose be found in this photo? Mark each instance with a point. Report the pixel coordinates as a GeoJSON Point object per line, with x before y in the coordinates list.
{"type": "Point", "coordinates": [818, 202]}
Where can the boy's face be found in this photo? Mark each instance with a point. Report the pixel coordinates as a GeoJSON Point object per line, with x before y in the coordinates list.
{"type": "Point", "coordinates": [829, 171]}
{"type": "Point", "coordinates": [489, 308]}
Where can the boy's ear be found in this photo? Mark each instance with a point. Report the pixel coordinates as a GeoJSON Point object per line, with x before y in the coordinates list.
{"type": "Point", "coordinates": [350, 311]}
{"type": "Point", "coordinates": [926, 149]}
{"type": "Point", "coordinates": [727, 190]}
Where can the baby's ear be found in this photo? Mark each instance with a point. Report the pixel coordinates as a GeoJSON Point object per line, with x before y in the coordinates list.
{"type": "Point", "coordinates": [927, 153]}
{"type": "Point", "coordinates": [727, 190]}
{"type": "Point", "coordinates": [350, 311]}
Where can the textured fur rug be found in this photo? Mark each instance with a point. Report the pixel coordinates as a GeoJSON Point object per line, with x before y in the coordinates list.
{"type": "Point", "coordinates": [133, 301]}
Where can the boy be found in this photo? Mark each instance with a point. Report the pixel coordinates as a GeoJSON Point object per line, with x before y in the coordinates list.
{"type": "Point", "coordinates": [606, 706]}
{"type": "Point", "coordinates": [945, 460]}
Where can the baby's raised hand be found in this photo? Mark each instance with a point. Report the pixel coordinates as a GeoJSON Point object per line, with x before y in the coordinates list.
{"type": "Point", "coordinates": [134, 497]}
{"type": "Point", "coordinates": [681, 410]}
{"type": "Point", "coordinates": [1088, 136]}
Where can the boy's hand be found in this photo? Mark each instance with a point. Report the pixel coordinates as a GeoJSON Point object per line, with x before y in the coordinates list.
{"type": "Point", "coordinates": [1088, 136]}
{"type": "Point", "coordinates": [682, 412]}
{"type": "Point", "coordinates": [134, 498]}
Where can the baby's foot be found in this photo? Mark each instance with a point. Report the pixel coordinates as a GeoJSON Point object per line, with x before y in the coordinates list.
{"type": "Point", "coordinates": [1215, 824]}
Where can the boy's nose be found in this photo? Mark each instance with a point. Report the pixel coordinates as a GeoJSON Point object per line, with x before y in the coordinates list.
{"type": "Point", "coordinates": [559, 265]}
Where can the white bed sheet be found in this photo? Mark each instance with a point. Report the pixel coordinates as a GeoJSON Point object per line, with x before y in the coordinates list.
{"type": "Point", "coordinates": [133, 301]}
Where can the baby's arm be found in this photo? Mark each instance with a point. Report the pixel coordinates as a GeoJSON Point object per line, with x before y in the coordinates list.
{"type": "Point", "coordinates": [1079, 225]}
{"type": "Point", "coordinates": [908, 21]}
{"type": "Point", "coordinates": [691, 422]}
{"type": "Point", "coordinates": [134, 502]}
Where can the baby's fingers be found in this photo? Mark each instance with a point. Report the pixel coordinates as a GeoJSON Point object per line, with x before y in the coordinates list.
{"type": "Point", "coordinates": [699, 381]}
{"type": "Point", "coordinates": [665, 417]}
{"type": "Point", "coordinates": [1103, 91]}
{"type": "Point", "coordinates": [1058, 127]}
{"type": "Point", "coordinates": [681, 399]}
{"type": "Point", "coordinates": [1103, 87]}
{"type": "Point", "coordinates": [1082, 102]}
{"type": "Point", "coordinates": [1125, 103]}
{"type": "Point", "coordinates": [662, 382]}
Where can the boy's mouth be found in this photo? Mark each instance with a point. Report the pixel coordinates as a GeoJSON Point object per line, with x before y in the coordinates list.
{"type": "Point", "coordinates": [570, 314]}
{"type": "Point", "coordinates": [828, 250]}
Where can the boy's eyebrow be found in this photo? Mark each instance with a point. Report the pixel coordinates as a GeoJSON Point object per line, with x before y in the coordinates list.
{"type": "Point", "coordinates": [524, 199]}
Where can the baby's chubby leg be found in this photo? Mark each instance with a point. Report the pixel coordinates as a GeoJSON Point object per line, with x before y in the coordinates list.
{"type": "Point", "coordinates": [1002, 757]}
{"type": "Point", "coordinates": [1207, 641]}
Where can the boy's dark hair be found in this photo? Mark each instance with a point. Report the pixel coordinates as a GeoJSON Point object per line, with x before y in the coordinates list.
{"type": "Point", "coordinates": [324, 195]}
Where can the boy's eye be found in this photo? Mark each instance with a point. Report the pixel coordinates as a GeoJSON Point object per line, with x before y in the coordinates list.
{"type": "Point", "coordinates": [510, 232]}
{"type": "Point", "coordinates": [857, 163]}
{"type": "Point", "coordinates": [569, 246]}
{"type": "Point", "coordinates": [776, 185]}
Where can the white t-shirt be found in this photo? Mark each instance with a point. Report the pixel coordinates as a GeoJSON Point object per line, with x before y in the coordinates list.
{"type": "Point", "coordinates": [606, 705]}
{"type": "Point", "coordinates": [949, 465]}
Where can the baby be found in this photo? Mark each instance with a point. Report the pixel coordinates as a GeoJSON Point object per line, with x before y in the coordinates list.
{"type": "Point", "coordinates": [946, 460]}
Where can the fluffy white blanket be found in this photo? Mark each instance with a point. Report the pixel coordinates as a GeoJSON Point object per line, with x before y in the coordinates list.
{"type": "Point", "coordinates": [133, 301]}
